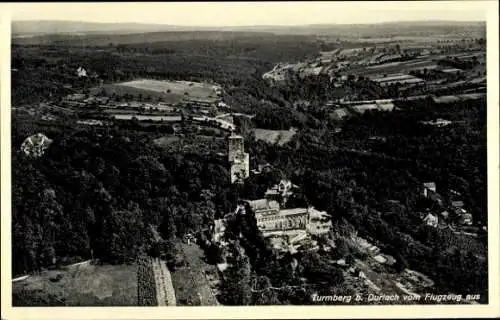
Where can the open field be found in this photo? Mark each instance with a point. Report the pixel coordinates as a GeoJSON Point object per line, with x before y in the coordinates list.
{"type": "Point", "coordinates": [176, 87]}
{"type": "Point", "coordinates": [406, 66]}
{"type": "Point", "coordinates": [166, 140]}
{"type": "Point", "coordinates": [82, 285]}
{"type": "Point", "coordinates": [146, 117]}
{"type": "Point", "coordinates": [274, 136]}
{"type": "Point", "coordinates": [121, 90]}
{"type": "Point", "coordinates": [394, 67]}
{"type": "Point", "coordinates": [171, 92]}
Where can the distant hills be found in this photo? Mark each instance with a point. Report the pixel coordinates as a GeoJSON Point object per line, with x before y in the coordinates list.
{"type": "Point", "coordinates": [44, 27]}
{"type": "Point", "coordinates": [70, 27]}
{"type": "Point", "coordinates": [46, 31]}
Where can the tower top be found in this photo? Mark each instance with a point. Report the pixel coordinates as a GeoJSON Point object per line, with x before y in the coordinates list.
{"type": "Point", "coordinates": [235, 136]}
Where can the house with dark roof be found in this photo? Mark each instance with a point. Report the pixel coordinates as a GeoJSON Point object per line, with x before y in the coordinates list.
{"type": "Point", "coordinates": [264, 206]}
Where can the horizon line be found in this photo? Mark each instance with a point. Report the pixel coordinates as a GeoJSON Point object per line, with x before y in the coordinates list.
{"type": "Point", "coordinates": [252, 25]}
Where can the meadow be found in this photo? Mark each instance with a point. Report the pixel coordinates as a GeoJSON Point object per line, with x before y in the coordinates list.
{"type": "Point", "coordinates": [171, 92]}
{"type": "Point", "coordinates": [82, 285]}
{"type": "Point", "coordinates": [279, 137]}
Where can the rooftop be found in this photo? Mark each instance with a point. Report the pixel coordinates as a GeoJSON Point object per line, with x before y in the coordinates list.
{"type": "Point", "coordinates": [457, 203]}
{"type": "Point", "coordinates": [287, 212]}
{"type": "Point", "coordinates": [394, 77]}
{"type": "Point", "coordinates": [430, 185]}
{"type": "Point", "coordinates": [316, 213]}
{"type": "Point", "coordinates": [263, 204]}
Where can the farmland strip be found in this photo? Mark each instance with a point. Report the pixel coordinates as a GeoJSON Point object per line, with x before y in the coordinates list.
{"type": "Point", "coordinates": [165, 294]}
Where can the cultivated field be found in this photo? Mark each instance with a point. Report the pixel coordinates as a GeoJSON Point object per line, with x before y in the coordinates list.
{"type": "Point", "coordinates": [279, 137]}
{"type": "Point", "coordinates": [147, 117]}
{"type": "Point", "coordinates": [83, 285]}
{"type": "Point", "coordinates": [169, 91]}
{"type": "Point", "coordinates": [395, 67]}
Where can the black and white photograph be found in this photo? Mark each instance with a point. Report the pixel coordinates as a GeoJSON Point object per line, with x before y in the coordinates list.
{"type": "Point", "coordinates": [250, 154]}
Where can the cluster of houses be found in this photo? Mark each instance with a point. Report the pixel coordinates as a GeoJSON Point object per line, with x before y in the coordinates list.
{"type": "Point", "coordinates": [344, 109]}
{"type": "Point", "coordinates": [287, 229]}
{"type": "Point", "coordinates": [332, 62]}
{"type": "Point", "coordinates": [453, 210]}
{"type": "Point", "coordinates": [438, 122]}
{"type": "Point", "coordinates": [374, 251]}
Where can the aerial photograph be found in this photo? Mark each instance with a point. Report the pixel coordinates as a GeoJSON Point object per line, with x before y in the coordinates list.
{"type": "Point", "coordinates": [252, 154]}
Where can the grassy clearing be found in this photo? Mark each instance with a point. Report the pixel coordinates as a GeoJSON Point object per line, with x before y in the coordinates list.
{"type": "Point", "coordinates": [166, 140]}
{"type": "Point", "coordinates": [168, 91]}
{"type": "Point", "coordinates": [86, 285]}
{"type": "Point", "coordinates": [279, 137]}
{"type": "Point", "coordinates": [196, 89]}
{"type": "Point", "coordinates": [121, 90]}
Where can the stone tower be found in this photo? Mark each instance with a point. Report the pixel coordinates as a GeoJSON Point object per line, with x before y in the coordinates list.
{"type": "Point", "coordinates": [239, 161]}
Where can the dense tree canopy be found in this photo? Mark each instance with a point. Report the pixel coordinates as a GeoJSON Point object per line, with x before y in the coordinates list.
{"type": "Point", "coordinates": [100, 193]}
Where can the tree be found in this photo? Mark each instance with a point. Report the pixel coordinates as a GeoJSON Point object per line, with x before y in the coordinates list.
{"type": "Point", "coordinates": [123, 231]}
{"type": "Point", "coordinates": [401, 263]}
{"type": "Point", "coordinates": [47, 227]}
{"type": "Point", "coordinates": [342, 249]}
{"type": "Point", "coordinates": [263, 292]}
{"type": "Point", "coordinates": [235, 287]}
{"type": "Point", "coordinates": [317, 270]}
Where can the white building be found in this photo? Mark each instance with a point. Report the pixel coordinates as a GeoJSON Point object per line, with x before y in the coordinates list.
{"type": "Point", "coordinates": [81, 72]}
{"type": "Point", "coordinates": [431, 220]}
{"type": "Point", "coordinates": [35, 145]}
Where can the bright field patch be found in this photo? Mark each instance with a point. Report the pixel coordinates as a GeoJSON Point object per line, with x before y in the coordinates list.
{"type": "Point", "coordinates": [170, 91]}
{"type": "Point", "coordinates": [274, 136]}
{"type": "Point", "coordinates": [85, 285]}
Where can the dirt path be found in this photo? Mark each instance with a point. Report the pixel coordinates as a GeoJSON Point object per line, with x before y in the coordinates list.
{"type": "Point", "coordinates": [165, 293]}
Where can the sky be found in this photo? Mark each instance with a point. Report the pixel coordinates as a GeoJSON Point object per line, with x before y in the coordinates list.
{"type": "Point", "coordinates": [253, 13]}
